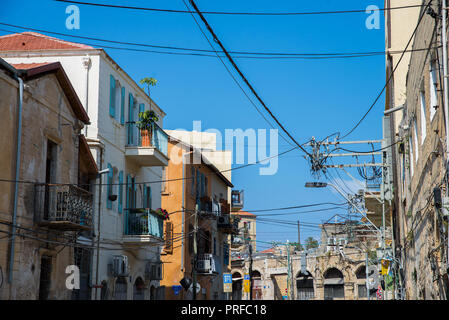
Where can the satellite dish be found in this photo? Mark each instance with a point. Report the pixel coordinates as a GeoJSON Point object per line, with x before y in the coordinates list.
{"type": "Point", "coordinates": [198, 288]}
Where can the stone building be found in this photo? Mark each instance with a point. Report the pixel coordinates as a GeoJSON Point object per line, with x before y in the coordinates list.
{"type": "Point", "coordinates": [125, 223]}
{"type": "Point", "coordinates": [336, 270]}
{"type": "Point", "coordinates": [416, 110]}
{"type": "Point", "coordinates": [46, 202]}
{"type": "Point", "coordinates": [205, 187]}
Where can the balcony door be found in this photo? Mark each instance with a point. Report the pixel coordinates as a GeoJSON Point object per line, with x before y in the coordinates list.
{"type": "Point", "coordinates": [50, 173]}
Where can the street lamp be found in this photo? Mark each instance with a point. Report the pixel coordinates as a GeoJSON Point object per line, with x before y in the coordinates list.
{"type": "Point", "coordinates": [325, 184]}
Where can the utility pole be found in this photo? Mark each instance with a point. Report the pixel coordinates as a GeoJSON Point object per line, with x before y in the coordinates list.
{"type": "Point", "coordinates": [366, 274]}
{"type": "Point", "coordinates": [195, 251]}
{"type": "Point", "coordinates": [288, 270]}
{"type": "Point", "coordinates": [250, 271]}
{"type": "Point", "coordinates": [299, 238]}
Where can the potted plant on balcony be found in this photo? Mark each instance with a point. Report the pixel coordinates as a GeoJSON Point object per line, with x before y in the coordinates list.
{"type": "Point", "coordinates": [162, 213]}
{"type": "Point", "coordinates": [145, 125]}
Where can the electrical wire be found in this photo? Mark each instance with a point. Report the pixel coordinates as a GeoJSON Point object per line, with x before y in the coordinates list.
{"type": "Point", "coordinates": [237, 13]}
{"type": "Point", "coordinates": [277, 55]}
{"type": "Point", "coordinates": [392, 73]}
{"type": "Point", "coordinates": [214, 36]}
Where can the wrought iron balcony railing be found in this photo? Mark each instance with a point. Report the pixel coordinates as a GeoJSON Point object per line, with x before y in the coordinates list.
{"type": "Point", "coordinates": [142, 222]}
{"type": "Point", "coordinates": [63, 206]}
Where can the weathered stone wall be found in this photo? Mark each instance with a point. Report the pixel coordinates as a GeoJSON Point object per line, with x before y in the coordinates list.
{"type": "Point", "coordinates": [417, 218]}
{"type": "Point", "coordinates": [47, 115]}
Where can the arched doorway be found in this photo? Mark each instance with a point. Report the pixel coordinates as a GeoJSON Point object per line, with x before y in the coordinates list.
{"type": "Point", "coordinates": [139, 289]}
{"type": "Point", "coordinates": [152, 293]}
{"type": "Point", "coordinates": [121, 289]}
{"type": "Point", "coordinates": [361, 284]}
{"type": "Point", "coordinates": [304, 286]}
{"type": "Point", "coordinates": [237, 281]}
{"type": "Point", "coordinates": [334, 285]}
{"type": "Point", "coordinates": [257, 285]}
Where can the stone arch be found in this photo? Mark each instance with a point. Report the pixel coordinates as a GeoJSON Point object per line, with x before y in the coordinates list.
{"type": "Point", "coordinates": [333, 282]}
{"type": "Point", "coordinates": [121, 288]}
{"type": "Point", "coordinates": [305, 284]}
{"type": "Point", "coordinates": [237, 285]}
{"type": "Point", "coordinates": [139, 289]}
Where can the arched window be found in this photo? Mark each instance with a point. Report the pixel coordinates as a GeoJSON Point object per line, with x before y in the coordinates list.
{"type": "Point", "coordinates": [361, 283]}
{"type": "Point", "coordinates": [304, 286]}
{"type": "Point", "coordinates": [121, 289]}
{"type": "Point", "coordinates": [237, 281]}
{"type": "Point", "coordinates": [333, 284]}
{"type": "Point", "coordinates": [139, 289]}
{"type": "Point", "coordinates": [257, 285]}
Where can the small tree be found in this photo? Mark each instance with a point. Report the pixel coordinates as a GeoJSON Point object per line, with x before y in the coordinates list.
{"type": "Point", "coordinates": [311, 243]}
{"type": "Point", "coordinates": [149, 82]}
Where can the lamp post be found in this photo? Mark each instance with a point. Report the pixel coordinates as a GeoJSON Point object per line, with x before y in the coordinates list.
{"type": "Point", "coordinates": [325, 184]}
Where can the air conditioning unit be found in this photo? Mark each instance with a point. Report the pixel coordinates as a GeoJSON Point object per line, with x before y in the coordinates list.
{"type": "Point", "coordinates": [224, 220]}
{"type": "Point", "coordinates": [153, 270]}
{"type": "Point", "coordinates": [120, 266]}
{"type": "Point", "coordinates": [208, 264]}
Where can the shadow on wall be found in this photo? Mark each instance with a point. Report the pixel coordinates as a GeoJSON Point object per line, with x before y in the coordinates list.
{"type": "Point", "coordinates": [277, 294]}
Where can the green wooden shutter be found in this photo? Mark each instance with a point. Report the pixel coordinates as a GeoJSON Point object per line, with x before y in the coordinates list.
{"type": "Point", "coordinates": [122, 108]}
{"type": "Point", "coordinates": [112, 96]}
{"type": "Point", "coordinates": [120, 192]}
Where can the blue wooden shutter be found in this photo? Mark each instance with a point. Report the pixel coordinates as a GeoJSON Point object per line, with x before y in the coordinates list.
{"type": "Point", "coordinates": [122, 108]}
{"type": "Point", "coordinates": [120, 192]}
{"type": "Point", "coordinates": [145, 196]}
{"type": "Point", "coordinates": [109, 187]}
{"type": "Point", "coordinates": [128, 202]}
{"type": "Point", "coordinates": [112, 96]}
{"type": "Point", "coordinates": [141, 107]}
{"type": "Point", "coordinates": [149, 197]}
{"type": "Point", "coordinates": [130, 119]}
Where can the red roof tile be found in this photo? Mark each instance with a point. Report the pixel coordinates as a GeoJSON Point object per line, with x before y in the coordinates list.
{"type": "Point", "coordinates": [244, 213]}
{"type": "Point", "coordinates": [271, 250]}
{"type": "Point", "coordinates": [29, 41]}
{"type": "Point", "coordinates": [24, 66]}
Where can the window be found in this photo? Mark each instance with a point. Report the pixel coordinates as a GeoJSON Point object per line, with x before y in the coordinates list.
{"type": "Point", "coordinates": [147, 196]}
{"type": "Point", "coordinates": [112, 96]}
{"type": "Point", "coordinates": [423, 116]}
{"type": "Point", "coordinates": [433, 89]}
{"type": "Point", "coordinates": [415, 139]}
{"type": "Point", "coordinates": [192, 181]}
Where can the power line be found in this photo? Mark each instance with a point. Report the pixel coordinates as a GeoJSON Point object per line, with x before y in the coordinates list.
{"type": "Point", "coordinates": [243, 76]}
{"type": "Point", "coordinates": [297, 207]}
{"type": "Point", "coordinates": [237, 13]}
{"type": "Point", "coordinates": [255, 54]}
{"type": "Point", "coordinates": [392, 73]}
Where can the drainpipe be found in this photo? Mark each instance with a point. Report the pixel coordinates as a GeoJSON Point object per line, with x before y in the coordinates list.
{"type": "Point", "coordinates": [99, 220]}
{"type": "Point", "coordinates": [86, 64]}
{"type": "Point", "coordinates": [16, 184]}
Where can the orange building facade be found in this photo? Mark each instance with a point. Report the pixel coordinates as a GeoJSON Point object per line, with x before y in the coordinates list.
{"type": "Point", "coordinates": [193, 182]}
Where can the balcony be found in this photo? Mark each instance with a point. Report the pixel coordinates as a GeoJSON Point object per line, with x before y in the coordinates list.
{"type": "Point", "coordinates": [208, 264]}
{"type": "Point", "coordinates": [147, 151]}
{"type": "Point", "coordinates": [237, 200]}
{"type": "Point", "coordinates": [63, 206]}
{"type": "Point", "coordinates": [142, 225]}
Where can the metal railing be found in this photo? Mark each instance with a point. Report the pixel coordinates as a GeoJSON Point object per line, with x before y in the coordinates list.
{"type": "Point", "coordinates": [158, 137]}
{"type": "Point", "coordinates": [143, 222]}
{"type": "Point", "coordinates": [63, 203]}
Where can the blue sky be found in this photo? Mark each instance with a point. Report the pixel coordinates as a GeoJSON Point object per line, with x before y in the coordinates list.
{"type": "Point", "coordinates": [310, 97]}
